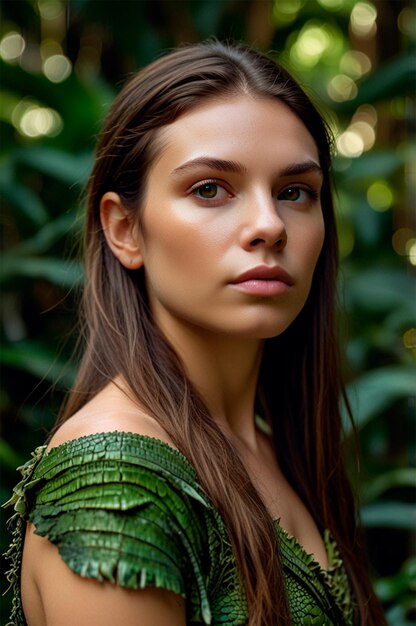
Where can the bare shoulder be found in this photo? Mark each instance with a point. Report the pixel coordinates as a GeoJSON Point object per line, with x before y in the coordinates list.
{"type": "Point", "coordinates": [48, 591]}
{"type": "Point", "coordinates": [48, 594]}
{"type": "Point", "coordinates": [112, 409]}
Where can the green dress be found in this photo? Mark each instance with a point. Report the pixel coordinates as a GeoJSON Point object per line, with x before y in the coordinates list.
{"type": "Point", "coordinates": [129, 509]}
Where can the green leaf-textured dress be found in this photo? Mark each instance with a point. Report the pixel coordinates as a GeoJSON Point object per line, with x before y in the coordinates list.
{"type": "Point", "coordinates": [129, 509]}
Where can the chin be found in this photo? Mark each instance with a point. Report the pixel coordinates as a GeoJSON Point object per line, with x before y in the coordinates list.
{"type": "Point", "coordinates": [264, 326]}
{"type": "Point", "coordinates": [261, 330]}
{"type": "Point", "coordinates": [267, 333]}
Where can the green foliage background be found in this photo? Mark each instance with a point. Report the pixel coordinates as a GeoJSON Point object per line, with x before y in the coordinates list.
{"type": "Point", "coordinates": [48, 123]}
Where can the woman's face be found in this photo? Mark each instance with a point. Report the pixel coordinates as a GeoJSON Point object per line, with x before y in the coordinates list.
{"type": "Point", "coordinates": [232, 224]}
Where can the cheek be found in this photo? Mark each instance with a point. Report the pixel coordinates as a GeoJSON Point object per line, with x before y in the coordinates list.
{"type": "Point", "coordinates": [185, 240]}
{"type": "Point", "coordinates": [176, 258]}
{"type": "Point", "coordinates": [165, 241]}
{"type": "Point", "coordinates": [310, 242]}
{"type": "Point", "coordinates": [309, 252]}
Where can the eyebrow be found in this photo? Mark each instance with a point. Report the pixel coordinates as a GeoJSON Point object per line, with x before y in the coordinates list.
{"type": "Point", "coordinates": [293, 169]}
{"type": "Point", "coordinates": [305, 167]}
{"type": "Point", "coordinates": [213, 164]}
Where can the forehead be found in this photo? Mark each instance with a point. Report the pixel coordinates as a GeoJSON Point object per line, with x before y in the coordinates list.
{"type": "Point", "coordinates": [242, 126]}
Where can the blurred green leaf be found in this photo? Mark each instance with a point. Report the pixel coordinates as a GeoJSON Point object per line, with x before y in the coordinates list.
{"type": "Point", "coordinates": [378, 289]}
{"type": "Point", "coordinates": [388, 589]}
{"type": "Point", "coordinates": [389, 514]}
{"type": "Point", "coordinates": [374, 165]}
{"type": "Point", "coordinates": [366, 223]}
{"type": "Point", "coordinates": [57, 271]}
{"type": "Point", "coordinates": [21, 197]}
{"type": "Point", "coordinates": [9, 458]}
{"type": "Point", "coordinates": [398, 614]}
{"type": "Point", "coordinates": [45, 237]}
{"type": "Point", "coordinates": [38, 361]}
{"type": "Point", "coordinates": [376, 390]}
{"type": "Point", "coordinates": [402, 317]}
{"type": "Point", "coordinates": [401, 477]}
{"type": "Point", "coordinates": [71, 169]}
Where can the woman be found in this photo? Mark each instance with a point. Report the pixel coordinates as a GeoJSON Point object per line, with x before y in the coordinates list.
{"type": "Point", "coordinates": [211, 254]}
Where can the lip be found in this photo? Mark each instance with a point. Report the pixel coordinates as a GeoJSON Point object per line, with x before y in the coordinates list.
{"type": "Point", "coordinates": [264, 273]}
{"type": "Point", "coordinates": [264, 281]}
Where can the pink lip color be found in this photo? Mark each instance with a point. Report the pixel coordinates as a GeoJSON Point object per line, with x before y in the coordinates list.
{"type": "Point", "coordinates": [264, 280]}
{"type": "Point", "coordinates": [262, 287]}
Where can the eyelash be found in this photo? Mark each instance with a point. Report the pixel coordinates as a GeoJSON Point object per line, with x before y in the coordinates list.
{"type": "Point", "coordinates": [203, 183]}
{"type": "Point", "coordinates": [312, 193]}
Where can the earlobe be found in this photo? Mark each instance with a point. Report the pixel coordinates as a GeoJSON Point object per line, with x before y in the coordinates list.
{"type": "Point", "coordinates": [121, 233]}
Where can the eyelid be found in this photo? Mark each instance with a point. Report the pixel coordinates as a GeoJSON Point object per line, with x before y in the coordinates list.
{"type": "Point", "coordinates": [208, 181]}
{"type": "Point", "coordinates": [222, 198]}
{"type": "Point", "coordinates": [313, 192]}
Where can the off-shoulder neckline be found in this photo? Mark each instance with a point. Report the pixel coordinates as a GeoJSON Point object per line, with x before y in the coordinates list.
{"type": "Point", "coordinates": [128, 433]}
{"type": "Point", "coordinates": [147, 439]}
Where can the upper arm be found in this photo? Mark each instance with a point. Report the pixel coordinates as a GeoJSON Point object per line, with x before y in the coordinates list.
{"type": "Point", "coordinates": [115, 514]}
{"type": "Point", "coordinates": [69, 599]}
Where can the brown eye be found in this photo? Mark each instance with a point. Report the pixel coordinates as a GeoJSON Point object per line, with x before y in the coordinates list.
{"type": "Point", "coordinates": [210, 193]}
{"type": "Point", "coordinates": [291, 193]}
{"type": "Point", "coordinates": [207, 191]}
{"type": "Point", "coordinates": [300, 195]}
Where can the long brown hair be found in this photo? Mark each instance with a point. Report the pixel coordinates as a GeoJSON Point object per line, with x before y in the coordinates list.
{"type": "Point", "coordinates": [300, 384]}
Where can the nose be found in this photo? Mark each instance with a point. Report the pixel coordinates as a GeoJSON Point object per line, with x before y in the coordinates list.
{"type": "Point", "coordinates": [264, 226]}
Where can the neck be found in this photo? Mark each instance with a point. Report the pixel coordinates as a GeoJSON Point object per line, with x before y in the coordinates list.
{"type": "Point", "coordinates": [225, 372]}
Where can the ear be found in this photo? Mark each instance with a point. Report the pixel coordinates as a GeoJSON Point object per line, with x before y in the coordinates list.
{"type": "Point", "coordinates": [121, 233]}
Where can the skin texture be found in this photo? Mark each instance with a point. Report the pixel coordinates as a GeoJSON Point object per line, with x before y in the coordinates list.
{"type": "Point", "coordinates": [202, 225]}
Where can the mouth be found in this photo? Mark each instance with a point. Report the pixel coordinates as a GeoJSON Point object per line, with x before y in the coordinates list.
{"type": "Point", "coordinates": [264, 273]}
{"type": "Point", "coordinates": [264, 281]}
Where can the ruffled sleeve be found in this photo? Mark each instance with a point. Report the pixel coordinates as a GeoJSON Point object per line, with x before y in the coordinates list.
{"type": "Point", "coordinates": [128, 510]}
{"type": "Point", "coordinates": [16, 526]}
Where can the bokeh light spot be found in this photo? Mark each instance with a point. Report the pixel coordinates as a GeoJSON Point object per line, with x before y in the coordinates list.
{"type": "Point", "coordinates": [400, 239]}
{"type": "Point", "coordinates": [365, 131]}
{"type": "Point", "coordinates": [380, 196]}
{"type": "Point", "coordinates": [33, 120]}
{"type": "Point", "coordinates": [341, 88]}
{"type": "Point", "coordinates": [411, 250]}
{"type": "Point", "coordinates": [12, 46]}
{"type": "Point", "coordinates": [350, 144]}
{"type": "Point", "coordinates": [50, 9]}
{"type": "Point", "coordinates": [40, 121]}
{"type": "Point", "coordinates": [366, 113]}
{"type": "Point", "coordinates": [49, 48]}
{"type": "Point", "coordinates": [314, 41]}
{"type": "Point", "coordinates": [409, 339]}
{"type": "Point", "coordinates": [407, 21]}
{"type": "Point", "coordinates": [57, 68]}
{"type": "Point", "coordinates": [285, 11]}
{"type": "Point", "coordinates": [331, 4]}
{"type": "Point", "coordinates": [355, 63]}
{"type": "Point", "coordinates": [363, 19]}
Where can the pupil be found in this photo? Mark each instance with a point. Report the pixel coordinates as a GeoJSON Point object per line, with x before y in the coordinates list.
{"type": "Point", "coordinates": [209, 190]}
